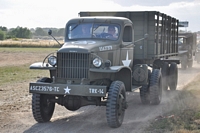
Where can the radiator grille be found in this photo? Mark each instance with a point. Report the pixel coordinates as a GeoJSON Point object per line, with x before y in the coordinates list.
{"type": "Point", "coordinates": [73, 65]}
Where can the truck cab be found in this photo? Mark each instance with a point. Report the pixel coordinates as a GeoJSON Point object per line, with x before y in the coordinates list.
{"type": "Point", "coordinates": [100, 40]}
{"type": "Point", "coordinates": [97, 53]}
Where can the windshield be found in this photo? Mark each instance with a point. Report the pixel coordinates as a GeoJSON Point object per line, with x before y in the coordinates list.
{"type": "Point", "coordinates": [93, 30]}
{"type": "Point", "coordinates": [181, 40]}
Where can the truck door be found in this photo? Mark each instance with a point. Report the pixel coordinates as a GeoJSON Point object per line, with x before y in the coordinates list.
{"type": "Point", "coordinates": [126, 53]}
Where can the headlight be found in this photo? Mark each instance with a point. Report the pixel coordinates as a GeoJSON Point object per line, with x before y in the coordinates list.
{"type": "Point", "coordinates": [97, 62]}
{"type": "Point", "coordinates": [52, 60]}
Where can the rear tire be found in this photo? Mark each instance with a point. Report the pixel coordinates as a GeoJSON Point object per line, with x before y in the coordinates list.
{"type": "Point", "coordinates": [155, 89]}
{"type": "Point", "coordinates": [144, 94]}
{"type": "Point", "coordinates": [190, 63]}
{"type": "Point", "coordinates": [173, 76]}
{"type": "Point", "coordinates": [144, 91]}
{"type": "Point", "coordinates": [165, 74]}
{"type": "Point", "coordinates": [116, 104]}
{"type": "Point", "coordinates": [184, 62]}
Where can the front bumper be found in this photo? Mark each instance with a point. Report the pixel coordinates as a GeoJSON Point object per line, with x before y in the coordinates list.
{"type": "Point", "coordinates": [68, 89]}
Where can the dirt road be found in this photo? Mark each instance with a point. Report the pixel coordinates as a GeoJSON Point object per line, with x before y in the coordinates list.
{"type": "Point", "coordinates": [16, 115]}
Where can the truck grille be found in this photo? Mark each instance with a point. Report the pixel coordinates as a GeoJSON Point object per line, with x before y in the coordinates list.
{"type": "Point", "coordinates": [73, 65]}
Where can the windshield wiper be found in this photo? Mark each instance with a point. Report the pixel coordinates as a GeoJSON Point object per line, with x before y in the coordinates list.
{"type": "Point", "coordinates": [77, 24]}
{"type": "Point", "coordinates": [74, 27]}
{"type": "Point", "coordinates": [97, 27]}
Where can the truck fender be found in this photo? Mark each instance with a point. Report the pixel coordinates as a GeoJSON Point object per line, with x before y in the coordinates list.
{"type": "Point", "coordinates": [125, 75]}
{"type": "Point", "coordinates": [41, 65]}
{"type": "Point", "coordinates": [122, 73]}
{"type": "Point", "coordinates": [112, 69]}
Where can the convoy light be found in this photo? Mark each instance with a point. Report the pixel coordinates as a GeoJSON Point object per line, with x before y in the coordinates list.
{"type": "Point", "coordinates": [52, 60]}
{"type": "Point", "coordinates": [97, 62]}
{"type": "Point", "coordinates": [107, 63]}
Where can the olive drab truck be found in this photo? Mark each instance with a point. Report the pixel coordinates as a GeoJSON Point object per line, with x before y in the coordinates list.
{"type": "Point", "coordinates": [96, 66]}
{"type": "Point", "coordinates": [187, 42]}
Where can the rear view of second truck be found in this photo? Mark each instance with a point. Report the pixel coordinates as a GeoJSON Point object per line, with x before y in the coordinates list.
{"type": "Point", "coordinates": [187, 48]}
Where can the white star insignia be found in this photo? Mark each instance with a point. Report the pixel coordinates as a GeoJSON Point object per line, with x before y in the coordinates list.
{"type": "Point", "coordinates": [127, 61]}
{"type": "Point", "coordinates": [67, 90]}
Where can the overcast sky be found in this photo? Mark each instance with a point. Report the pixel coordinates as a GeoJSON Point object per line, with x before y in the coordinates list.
{"type": "Point", "coordinates": [55, 13]}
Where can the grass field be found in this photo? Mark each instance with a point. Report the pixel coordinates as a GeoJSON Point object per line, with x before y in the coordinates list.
{"type": "Point", "coordinates": [27, 50]}
{"type": "Point", "coordinates": [19, 73]}
{"type": "Point", "coordinates": [29, 43]}
{"type": "Point", "coordinates": [15, 62]}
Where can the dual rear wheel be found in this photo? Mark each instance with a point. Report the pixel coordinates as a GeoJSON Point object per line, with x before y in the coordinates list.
{"type": "Point", "coordinates": [152, 93]}
{"type": "Point", "coordinates": [158, 81]}
{"type": "Point", "coordinates": [169, 76]}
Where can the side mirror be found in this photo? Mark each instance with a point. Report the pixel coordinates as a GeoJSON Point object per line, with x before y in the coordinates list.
{"type": "Point", "coordinates": [50, 32]}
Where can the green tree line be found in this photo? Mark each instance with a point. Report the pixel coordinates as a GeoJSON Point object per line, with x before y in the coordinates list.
{"type": "Point", "coordinates": [23, 32]}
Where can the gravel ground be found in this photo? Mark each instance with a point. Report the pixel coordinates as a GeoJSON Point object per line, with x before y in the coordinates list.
{"type": "Point", "coordinates": [16, 115]}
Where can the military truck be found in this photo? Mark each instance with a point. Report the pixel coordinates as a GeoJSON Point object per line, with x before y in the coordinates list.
{"type": "Point", "coordinates": [96, 67]}
{"type": "Point", "coordinates": [187, 47]}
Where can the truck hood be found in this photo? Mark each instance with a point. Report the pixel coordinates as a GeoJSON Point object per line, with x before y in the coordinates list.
{"type": "Point", "coordinates": [86, 46]}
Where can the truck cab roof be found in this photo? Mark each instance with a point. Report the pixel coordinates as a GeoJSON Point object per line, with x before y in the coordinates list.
{"type": "Point", "coordinates": [108, 19]}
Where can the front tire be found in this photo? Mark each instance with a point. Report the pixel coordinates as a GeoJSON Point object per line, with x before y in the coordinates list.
{"type": "Point", "coordinates": [42, 107]}
{"type": "Point", "coordinates": [116, 104]}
